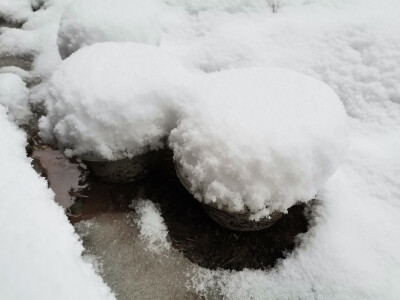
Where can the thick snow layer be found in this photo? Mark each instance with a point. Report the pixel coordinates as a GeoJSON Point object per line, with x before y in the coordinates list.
{"type": "Point", "coordinates": [259, 137]}
{"type": "Point", "coordinates": [40, 255]}
{"type": "Point", "coordinates": [14, 96]}
{"type": "Point", "coordinates": [114, 99]}
{"type": "Point", "coordinates": [152, 226]}
{"type": "Point", "coordinates": [86, 22]}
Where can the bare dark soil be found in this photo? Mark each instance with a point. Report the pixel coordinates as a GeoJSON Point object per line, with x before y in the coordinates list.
{"type": "Point", "coordinates": [191, 230]}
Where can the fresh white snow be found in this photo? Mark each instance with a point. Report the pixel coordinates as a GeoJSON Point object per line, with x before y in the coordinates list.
{"type": "Point", "coordinates": [110, 88]}
{"type": "Point", "coordinates": [257, 138]}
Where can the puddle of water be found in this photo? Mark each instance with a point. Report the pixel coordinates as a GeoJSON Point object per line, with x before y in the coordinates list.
{"type": "Point", "coordinates": [65, 176]}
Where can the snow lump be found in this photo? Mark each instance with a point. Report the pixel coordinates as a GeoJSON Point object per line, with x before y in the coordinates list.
{"type": "Point", "coordinates": [115, 100]}
{"type": "Point", "coordinates": [257, 138]}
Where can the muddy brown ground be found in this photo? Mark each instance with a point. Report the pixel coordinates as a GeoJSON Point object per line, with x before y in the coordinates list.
{"type": "Point", "coordinates": [191, 230]}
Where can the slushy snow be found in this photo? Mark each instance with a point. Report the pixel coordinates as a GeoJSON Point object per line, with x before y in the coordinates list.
{"type": "Point", "coordinates": [40, 255]}
{"type": "Point", "coordinates": [86, 22]}
{"type": "Point", "coordinates": [257, 138]}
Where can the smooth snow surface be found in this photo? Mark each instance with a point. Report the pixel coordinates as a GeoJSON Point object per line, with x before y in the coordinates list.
{"type": "Point", "coordinates": [86, 22]}
{"type": "Point", "coordinates": [259, 137]}
{"type": "Point", "coordinates": [14, 96]}
{"type": "Point", "coordinates": [114, 99]}
{"type": "Point", "coordinates": [40, 255]}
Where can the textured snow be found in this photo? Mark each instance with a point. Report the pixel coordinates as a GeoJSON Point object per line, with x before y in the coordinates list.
{"type": "Point", "coordinates": [114, 99]}
{"type": "Point", "coordinates": [253, 138]}
{"type": "Point", "coordinates": [152, 226]}
{"type": "Point", "coordinates": [15, 10]}
{"type": "Point", "coordinates": [14, 96]}
{"type": "Point", "coordinates": [86, 22]}
{"type": "Point", "coordinates": [40, 255]}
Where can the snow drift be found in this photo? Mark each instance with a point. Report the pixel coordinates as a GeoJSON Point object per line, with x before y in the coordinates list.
{"type": "Point", "coordinates": [40, 254]}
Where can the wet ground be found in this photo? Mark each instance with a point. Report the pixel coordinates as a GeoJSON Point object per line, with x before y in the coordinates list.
{"type": "Point", "coordinates": [191, 231]}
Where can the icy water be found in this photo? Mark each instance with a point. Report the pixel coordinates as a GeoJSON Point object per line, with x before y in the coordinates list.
{"type": "Point", "coordinates": [65, 176]}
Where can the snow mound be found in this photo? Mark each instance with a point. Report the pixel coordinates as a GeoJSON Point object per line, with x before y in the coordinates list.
{"type": "Point", "coordinates": [259, 137]}
{"type": "Point", "coordinates": [114, 99]}
{"type": "Point", "coordinates": [14, 95]}
{"type": "Point", "coordinates": [87, 22]}
{"type": "Point", "coordinates": [152, 226]}
{"type": "Point", "coordinates": [40, 255]}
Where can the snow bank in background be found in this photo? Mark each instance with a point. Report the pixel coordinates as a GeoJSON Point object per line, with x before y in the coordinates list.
{"type": "Point", "coordinates": [86, 22]}
{"type": "Point", "coordinates": [152, 226]}
{"type": "Point", "coordinates": [231, 6]}
{"type": "Point", "coordinates": [114, 99]}
{"type": "Point", "coordinates": [351, 45]}
{"type": "Point", "coordinates": [259, 137]}
{"type": "Point", "coordinates": [14, 96]}
{"type": "Point", "coordinates": [40, 255]}
{"type": "Point", "coordinates": [15, 10]}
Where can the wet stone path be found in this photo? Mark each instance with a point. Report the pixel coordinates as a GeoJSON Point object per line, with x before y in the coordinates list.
{"type": "Point", "coordinates": [191, 231]}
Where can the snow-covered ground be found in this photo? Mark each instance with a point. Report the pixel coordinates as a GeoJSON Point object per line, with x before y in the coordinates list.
{"type": "Point", "coordinates": [40, 255]}
{"type": "Point", "coordinates": [351, 250]}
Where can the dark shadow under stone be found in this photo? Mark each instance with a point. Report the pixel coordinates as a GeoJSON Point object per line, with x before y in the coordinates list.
{"type": "Point", "coordinates": [191, 230]}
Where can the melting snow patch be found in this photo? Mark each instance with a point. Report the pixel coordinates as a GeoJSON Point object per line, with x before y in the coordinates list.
{"type": "Point", "coordinates": [152, 226]}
